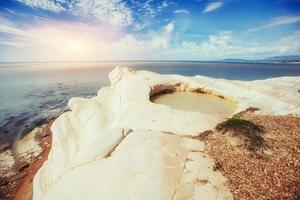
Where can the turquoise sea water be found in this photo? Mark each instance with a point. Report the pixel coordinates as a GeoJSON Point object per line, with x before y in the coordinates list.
{"type": "Point", "coordinates": [33, 93]}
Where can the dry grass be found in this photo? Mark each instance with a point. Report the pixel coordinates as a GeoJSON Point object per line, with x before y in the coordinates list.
{"type": "Point", "coordinates": [268, 171]}
{"type": "Point", "coordinates": [247, 130]}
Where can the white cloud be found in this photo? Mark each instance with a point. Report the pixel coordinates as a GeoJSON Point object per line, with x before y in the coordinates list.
{"type": "Point", "coordinates": [11, 43]}
{"type": "Point", "coordinates": [112, 12]}
{"type": "Point", "coordinates": [169, 28]}
{"type": "Point", "coordinates": [148, 8]}
{"type": "Point", "coordinates": [146, 11]}
{"type": "Point", "coordinates": [55, 6]}
{"type": "Point", "coordinates": [215, 46]}
{"type": "Point", "coordinates": [213, 6]}
{"type": "Point", "coordinates": [181, 11]}
{"type": "Point", "coordinates": [283, 20]}
{"type": "Point", "coordinates": [225, 45]}
{"type": "Point", "coordinates": [164, 4]}
{"type": "Point", "coordinates": [69, 41]}
{"type": "Point", "coordinates": [77, 41]}
{"type": "Point", "coordinates": [130, 47]}
{"type": "Point", "coordinates": [13, 12]}
{"type": "Point", "coordinates": [157, 45]}
{"type": "Point", "coordinates": [218, 43]}
{"type": "Point", "coordinates": [12, 30]}
{"type": "Point", "coordinates": [161, 39]}
{"type": "Point", "coordinates": [145, 8]}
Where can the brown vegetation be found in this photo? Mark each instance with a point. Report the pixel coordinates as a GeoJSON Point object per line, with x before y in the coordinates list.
{"type": "Point", "coordinates": [259, 155]}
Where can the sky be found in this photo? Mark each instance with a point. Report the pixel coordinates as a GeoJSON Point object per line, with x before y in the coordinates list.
{"type": "Point", "coordinates": [88, 30]}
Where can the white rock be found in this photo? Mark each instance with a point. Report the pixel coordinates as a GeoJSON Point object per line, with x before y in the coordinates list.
{"type": "Point", "coordinates": [7, 161]}
{"type": "Point", "coordinates": [120, 145]}
{"type": "Point", "coordinates": [28, 148]}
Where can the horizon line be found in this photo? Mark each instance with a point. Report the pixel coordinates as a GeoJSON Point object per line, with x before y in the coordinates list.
{"type": "Point", "coordinates": [145, 60]}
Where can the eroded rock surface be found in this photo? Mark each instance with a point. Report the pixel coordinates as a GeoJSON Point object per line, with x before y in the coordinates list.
{"type": "Point", "coordinates": [120, 145]}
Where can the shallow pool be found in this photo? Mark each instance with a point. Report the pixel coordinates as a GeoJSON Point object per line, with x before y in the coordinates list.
{"type": "Point", "coordinates": [199, 102]}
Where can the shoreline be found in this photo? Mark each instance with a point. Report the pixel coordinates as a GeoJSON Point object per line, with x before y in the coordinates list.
{"type": "Point", "coordinates": [19, 184]}
{"type": "Point", "coordinates": [107, 130]}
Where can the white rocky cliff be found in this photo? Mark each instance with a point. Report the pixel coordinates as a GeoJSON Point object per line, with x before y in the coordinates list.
{"type": "Point", "coordinates": [120, 145]}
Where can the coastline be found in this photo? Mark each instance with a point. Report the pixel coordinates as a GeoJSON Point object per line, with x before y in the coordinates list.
{"type": "Point", "coordinates": [107, 130]}
{"type": "Point", "coordinates": [18, 185]}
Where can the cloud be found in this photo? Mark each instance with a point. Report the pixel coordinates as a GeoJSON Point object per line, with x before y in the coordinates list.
{"type": "Point", "coordinates": [164, 4]}
{"type": "Point", "coordinates": [145, 8]}
{"type": "Point", "coordinates": [80, 41]}
{"type": "Point", "coordinates": [148, 8]}
{"type": "Point", "coordinates": [11, 43]}
{"type": "Point", "coordinates": [213, 6]}
{"type": "Point", "coordinates": [283, 20]}
{"type": "Point", "coordinates": [119, 13]}
{"type": "Point", "coordinates": [226, 45]}
{"type": "Point", "coordinates": [12, 30]}
{"type": "Point", "coordinates": [169, 28]}
{"type": "Point", "coordinates": [55, 6]}
{"type": "Point", "coordinates": [161, 39]}
{"type": "Point", "coordinates": [132, 47]}
{"type": "Point", "coordinates": [13, 12]}
{"type": "Point", "coordinates": [158, 45]}
{"type": "Point", "coordinates": [181, 11]}
{"type": "Point", "coordinates": [216, 45]}
{"type": "Point", "coordinates": [77, 41]}
{"type": "Point", "coordinates": [145, 12]}
{"type": "Point", "coordinates": [68, 41]}
{"type": "Point", "coordinates": [112, 12]}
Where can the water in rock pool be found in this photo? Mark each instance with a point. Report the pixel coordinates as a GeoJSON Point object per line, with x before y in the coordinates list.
{"type": "Point", "coordinates": [32, 93]}
{"type": "Point", "coordinates": [198, 102]}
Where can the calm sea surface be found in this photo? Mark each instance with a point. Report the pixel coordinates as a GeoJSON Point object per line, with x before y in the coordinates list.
{"type": "Point", "coordinates": [33, 93]}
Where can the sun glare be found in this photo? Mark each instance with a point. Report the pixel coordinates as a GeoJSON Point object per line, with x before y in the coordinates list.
{"type": "Point", "coordinates": [76, 46]}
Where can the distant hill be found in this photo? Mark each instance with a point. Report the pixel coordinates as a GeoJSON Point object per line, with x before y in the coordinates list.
{"type": "Point", "coordinates": [276, 59]}
{"type": "Point", "coordinates": [291, 58]}
{"type": "Point", "coordinates": [240, 60]}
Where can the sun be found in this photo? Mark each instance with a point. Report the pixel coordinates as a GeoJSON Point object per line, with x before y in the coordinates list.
{"type": "Point", "coordinates": [75, 46]}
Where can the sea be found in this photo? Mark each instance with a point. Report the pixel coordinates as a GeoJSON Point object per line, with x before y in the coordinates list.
{"type": "Point", "coordinates": [31, 94]}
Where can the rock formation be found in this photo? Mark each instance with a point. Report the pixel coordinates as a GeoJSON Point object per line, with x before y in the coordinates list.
{"type": "Point", "coordinates": [120, 145]}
